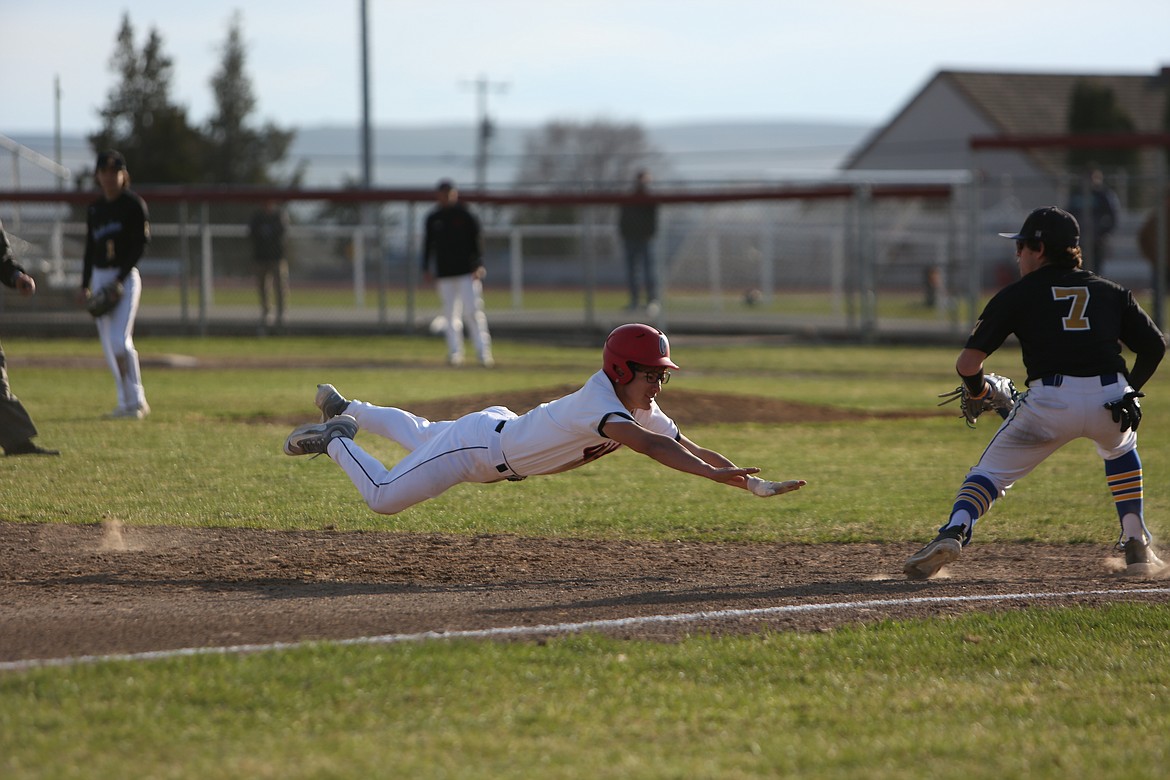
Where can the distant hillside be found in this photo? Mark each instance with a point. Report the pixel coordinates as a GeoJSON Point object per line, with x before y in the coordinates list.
{"type": "Point", "coordinates": [410, 156]}
{"type": "Point", "coordinates": [419, 155]}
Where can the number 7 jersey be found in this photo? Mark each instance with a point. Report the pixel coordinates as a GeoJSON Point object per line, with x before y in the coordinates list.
{"type": "Point", "coordinates": [1068, 321]}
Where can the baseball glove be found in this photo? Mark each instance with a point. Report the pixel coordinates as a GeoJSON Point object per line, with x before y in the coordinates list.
{"type": "Point", "coordinates": [104, 300]}
{"type": "Point", "coordinates": [999, 393]}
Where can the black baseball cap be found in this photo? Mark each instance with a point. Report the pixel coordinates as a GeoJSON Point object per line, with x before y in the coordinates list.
{"type": "Point", "coordinates": [110, 159]}
{"type": "Point", "coordinates": [1052, 225]}
{"type": "Point", "coordinates": [445, 184]}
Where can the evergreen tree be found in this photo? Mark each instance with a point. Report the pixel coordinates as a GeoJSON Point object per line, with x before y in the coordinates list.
{"type": "Point", "coordinates": [140, 120]}
{"type": "Point", "coordinates": [237, 153]}
{"type": "Point", "coordinates": [1093, 109]}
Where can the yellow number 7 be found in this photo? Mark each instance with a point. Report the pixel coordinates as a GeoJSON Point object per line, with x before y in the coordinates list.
{"type": "Point", "coordinates": [1079, 296]}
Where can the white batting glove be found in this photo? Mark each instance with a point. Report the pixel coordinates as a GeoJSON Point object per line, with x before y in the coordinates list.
{"type": "Point", "coordinates": [765, 488]}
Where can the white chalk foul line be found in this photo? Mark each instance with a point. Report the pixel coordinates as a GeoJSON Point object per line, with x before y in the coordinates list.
{"type": "Point", "coordinates": [565, 628]}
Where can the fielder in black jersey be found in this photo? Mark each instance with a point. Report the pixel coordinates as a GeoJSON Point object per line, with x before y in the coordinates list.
{"type": "Point", "coordinates": [1071, 325]}
{"type": "Point", "coordinates": [117, 232]}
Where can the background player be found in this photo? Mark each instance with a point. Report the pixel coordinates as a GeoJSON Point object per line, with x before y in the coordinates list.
{"type": "Point", "coordinates": [1071, 324]}
{"type": "Point", "coordinates": [616, 407]}
{"type": "Point", "coordinates": [453, 241]}
{"type": "Point", "coordinates": [117, 232]}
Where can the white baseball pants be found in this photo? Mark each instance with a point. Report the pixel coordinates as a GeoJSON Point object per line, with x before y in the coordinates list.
{"type": "Point", "coordinates": [463, 295]}
{"type": "Point", "coordinates": [116, 332]}
{"type": "Point", "coordinates": [441, 454]}
{"type": "Point", "coordinates": [1049, 416]}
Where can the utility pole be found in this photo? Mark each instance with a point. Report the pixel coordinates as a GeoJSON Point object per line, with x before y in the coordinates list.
{"type": "Point", "coordinates": [367, 132]}
{"type": "Point", "coordinates": [484, 127]}
{"type": "Point", "coordinates": [57, 126]}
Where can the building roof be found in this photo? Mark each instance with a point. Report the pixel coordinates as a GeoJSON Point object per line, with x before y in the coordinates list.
{"type": "Point", "coordinates": [1038, 103]}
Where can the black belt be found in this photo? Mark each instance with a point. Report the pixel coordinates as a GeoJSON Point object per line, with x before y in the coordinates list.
{"type": "Point", "coordinates": [504, 468]}
{"type": "Point", "coordinates": [1056, 380]}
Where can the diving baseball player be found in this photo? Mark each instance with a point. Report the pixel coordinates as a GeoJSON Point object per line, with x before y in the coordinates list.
{"type": "Point", "coordinates": [1071, 325]}
{"type": "Point", "coordinates": [616, 407]}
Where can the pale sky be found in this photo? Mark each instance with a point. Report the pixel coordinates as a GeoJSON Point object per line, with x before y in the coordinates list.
{"type": "Point", "coordinates": [645, 61]}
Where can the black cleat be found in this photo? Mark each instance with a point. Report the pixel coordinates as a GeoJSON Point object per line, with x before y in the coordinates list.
{"type": "Point", "coordinates": [1140, 558]}
{"type": "Point", "coordinates": [946, 548]}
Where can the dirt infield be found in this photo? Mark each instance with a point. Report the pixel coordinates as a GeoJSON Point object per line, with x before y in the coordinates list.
{"type": "Point", "coordinates": [69, 590]}
{"type": "Point", "coordinates": [77, 590]}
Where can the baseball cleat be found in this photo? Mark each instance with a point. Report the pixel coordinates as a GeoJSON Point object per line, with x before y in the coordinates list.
{"type": "Point", "coordinates": [1140, 558]}
{"type": "Point", "coordinates": [26, 447]}
{"type": "Point", "coordinates": [330, 402]}
{"type": "Point", "coordinates": [314, 438]}
{"type": "Point", "coordinates": [946, 548]}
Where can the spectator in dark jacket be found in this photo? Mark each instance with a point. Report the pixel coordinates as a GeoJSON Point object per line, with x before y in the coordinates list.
{"type": "Point", "coordinates": [637, 223]}
{"type": "Point", "coordinates": [1101, 216]}
{"type": "Point", "coordinates": [267, 230]}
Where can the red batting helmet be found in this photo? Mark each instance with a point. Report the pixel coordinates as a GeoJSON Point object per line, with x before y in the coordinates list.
{"type": "Point", "coordinates": [630, 344]}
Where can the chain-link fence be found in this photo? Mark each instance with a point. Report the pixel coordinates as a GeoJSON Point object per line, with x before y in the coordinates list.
{"type": "Point", "coordinates": [863, 260]}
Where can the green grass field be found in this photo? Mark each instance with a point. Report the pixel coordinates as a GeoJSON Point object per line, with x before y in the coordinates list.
{"type": "Point", "coordinates": [1056, 692]}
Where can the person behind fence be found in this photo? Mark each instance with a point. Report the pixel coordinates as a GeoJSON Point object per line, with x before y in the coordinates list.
{"type": "Point", "coordinates": [1071, 325]}
{"type": "Point", "coordinates": [1103, 212]}
{"type": "Point", "coordinates": [617, 406]}
{"type": "Point", "coordinates": [116, 235]}
{"type": "Point", "coordinates": [16, 426]}
{"type": "Point", "coordinates": [267, 230]}
{"type": "Point", "coordinates": [453, 245]}
{"type": "Point", "coordinates": [637, 224]}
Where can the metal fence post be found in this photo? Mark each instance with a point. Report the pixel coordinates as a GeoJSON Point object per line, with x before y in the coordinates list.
{"type": "Point", "coordinates": [412, 269]}
{"type": "Point", "coordinates": [1162, 232]}
{"type": "Point", "coordinates": [184, 267]}
{"type": "Point", "coordinates": [359, 266]}
{"type": "Point", "coordinates": [206, 279]}
{"type": "Point", "coordinates": [714, 268]}
{"type": "Point", "coordinates": [867, 260]}
{"type": "Point", "coordinates": [974, 261]}
{"type": "Point", "coordinates": [589, 247]}
{"type": "Point", "coordinates": [767, 264]}
{"type": "Point", "coordinates": [516, 266]}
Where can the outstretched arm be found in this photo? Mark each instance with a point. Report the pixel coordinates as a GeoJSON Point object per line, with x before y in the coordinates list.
{"type": "Point", "coordinates": [677, 455]}
{"type": "Point", "coordinates": [763, 488]}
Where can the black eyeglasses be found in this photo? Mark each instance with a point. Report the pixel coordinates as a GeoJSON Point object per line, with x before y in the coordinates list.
{"type": "Point", "coordinates": [656, 377]}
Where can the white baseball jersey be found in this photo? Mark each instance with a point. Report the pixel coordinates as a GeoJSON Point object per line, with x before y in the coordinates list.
{"type": "Point", "coordinates": [486, 446]}
{"type": "Point", "coordinates": [566, 433]}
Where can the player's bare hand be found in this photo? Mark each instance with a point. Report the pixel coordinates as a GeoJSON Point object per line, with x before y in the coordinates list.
{"type": "Point", "coordinates": [765, 488]}
{"type": "Point", "coordinates": [25, 284]}
{"type": "Point", "coordinates": [733, 475]}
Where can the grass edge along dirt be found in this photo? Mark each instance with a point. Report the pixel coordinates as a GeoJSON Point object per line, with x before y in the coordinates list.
{"type": "Point", "coordinates": [1038, 692]}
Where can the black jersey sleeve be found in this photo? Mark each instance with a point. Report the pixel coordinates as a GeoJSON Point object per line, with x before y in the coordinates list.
{"type": "Point", "coordinates": [995, 323]}
{"type": "Point", "coordinates": [1140, 334]}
